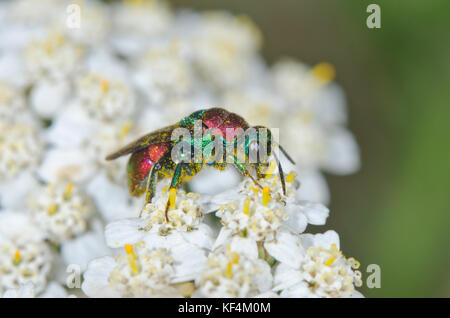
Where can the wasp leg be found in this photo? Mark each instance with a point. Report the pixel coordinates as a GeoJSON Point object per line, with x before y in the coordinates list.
{"type": "Point", "coordinates": [176, 179]}
{"type": "Point", "coordinates": [244, 171]}
{"type": "Point", "coordinates": [151, 181]}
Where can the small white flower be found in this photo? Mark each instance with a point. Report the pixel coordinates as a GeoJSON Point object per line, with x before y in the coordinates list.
{"type": "Point", "coordinates": [47, 98]}
{"type": "Point", "coordinates": [183, 225]}
{"type": "Point", "coordinates": [53, 290]}
{"type": "Point", "coordinates": [24, 255]}
{"type": "Point", "coordinates": [314, 132]}
{"type": "Point", "coordinates": [20, 149]}
{"type": "Point", "coordinates": [231, 273]}
{"type": "Point", "coordinates": [106, 98]}
{"type": "Point", "coordinates": [136, 23]}
{"type": "Point", "coordinates": [94, 25]}
{"type": "Point", "coordinates": [85, 247]}
{"type": "Point", "coordinates": [73, 165]}
{"type": "Point", "coordinates": [141, 272]}
{"type": "Point", "coordinates": [24, 291]}
{"type": "Point", "coordinates": [323, 272]}
{"type": "Point", "coordinates": [55, 58]}
{"type": "Point", "coordinates": [159, 69]}
{"type": "Point", "coordinates": [184, 216]}
{"type": "Point", "coordinates": [61, 211]}
{"type": "Point", "coordinates": [258, 105]}
{"type": "Point", "coordinates": [36, 12]}
{"type": "Point", "coordinates": [145, 17]}
{"type": "Point", "coordinates": [224, 47]}
{"type": "Point", "coordinates": [259, 214]}
{"type": "Point", "coordinates": [12, 102]}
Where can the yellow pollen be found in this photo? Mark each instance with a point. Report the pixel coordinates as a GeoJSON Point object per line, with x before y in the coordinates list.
{"type": "Point", "coordinates": [247, 206]}
{"type": "Point", "coordinates": [266, 196]}
{"type": "Point", "coordinates": [229, 271]}
{"type": "Point", "coordinates": [330, 260]}
{"type": "Point", "coordinates": [17, 258]}
{"type": "Point", "coordinates": [235, 258]}
{"type": "Point", "coordinates": [172, 195]}
{"type": "Point", "coordinates": [255, 189]}
{"type": "Point", "coordinates": [131, 258]}
{"type": "Point", "coordinates": [291, 176]}
{"type": "Point", "coordinates": [105, 85]}
{"type": "Point", "coordinates": [68, 192]}
{"type": "Point", "coordinates": [324, 72]}
{"type": "Point", "coordinates": [52, 208]}
{"type": "Point", "coordinates": [334, 247]}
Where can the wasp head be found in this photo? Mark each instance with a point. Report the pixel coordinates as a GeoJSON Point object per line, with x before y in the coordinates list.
{"type": "Point", "coordinates": [258, 144]}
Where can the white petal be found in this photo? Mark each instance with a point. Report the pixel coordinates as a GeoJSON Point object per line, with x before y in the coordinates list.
{"type": "Point", "coordinates": [70, 164]}
{"type": "Point", "coordinates": [13, 193]}
{"type": "Point", "coordinates": [70, 128]}
{"type": "Point", "coordinates": [95, 282]}
{"type": "Point", "coordinates": [285, 277]}
{"type": "Point", "coordinates": [222, 198]}
{"type": "Point", "coordinates": [244, 246]}
{"type": "Point", "coordinates": [263, 279]}
{"type": "Point", "coordinates": [331, 105]}
{"type": "Point", "coordinates": [300, 290]}
{"type": "Point", "coordinates": [213, 181]}
{"type": "Point", "coordinates": [223, 238]}
{"type": "Point", "coordinates": [121, 232]}
{"type": "Point", "coordinates": [48, 98]}
{"type": "Point", "coordinates": [154, 240]}
{"type": "Point", "coordinates": [83, 249]}
{"type": "Point", "coordinates": [326, 239]}
{"type": "Point", "coordinates": [313, 186]}
{"type": "Point", "coordinates": [297, 221]}
{"type": "Point", "coordinates": [201, 237]}
{"type": "Point", "coordinates": [54, 290]}
{"type": "Point", "coordinates": [25, 291]}
{"type": "Point", "coordinates": [189, 262]}
{"type": "Point", "coordinates": [343, 153]}
{"type": "Point", "coordinates": [111, 199]}
{"type": "Point", "coordinates": [286, 249]}
{"type": "Point", "coordinates": [316, 213]}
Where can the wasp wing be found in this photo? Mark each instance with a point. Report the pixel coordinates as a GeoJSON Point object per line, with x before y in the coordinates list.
{"type": "Point", "coordinates": [157, 136]}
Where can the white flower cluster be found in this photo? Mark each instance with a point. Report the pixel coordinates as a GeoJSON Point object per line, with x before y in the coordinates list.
{"type": "Point", "coordinates": [71, 93]}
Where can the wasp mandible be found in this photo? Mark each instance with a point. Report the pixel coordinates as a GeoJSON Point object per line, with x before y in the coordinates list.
{"type": "Point", "coordinates": [152, 156]}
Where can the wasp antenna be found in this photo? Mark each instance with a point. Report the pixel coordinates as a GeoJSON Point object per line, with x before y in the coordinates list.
{"type": "Point", "coordinates": [280, 170]}
{"type": "Point", "coordinates": [286, 154]}
{"type": "Point", "coordinates": [111, 156]}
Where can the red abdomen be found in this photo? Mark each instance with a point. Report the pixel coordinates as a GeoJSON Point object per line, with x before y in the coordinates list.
{"type": "Point", "coordinates": [140, 164]}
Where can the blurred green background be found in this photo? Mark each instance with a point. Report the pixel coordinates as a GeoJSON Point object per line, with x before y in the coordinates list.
{"type": "Point", "coordinates": [396, 211]}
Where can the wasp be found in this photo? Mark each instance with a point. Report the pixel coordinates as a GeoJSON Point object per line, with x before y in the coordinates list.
{"type": "Point", "coordinates": [152, 156]}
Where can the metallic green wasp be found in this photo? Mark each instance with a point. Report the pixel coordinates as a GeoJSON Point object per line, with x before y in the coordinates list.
{"type": "Point", "coordinates": [152, 156]}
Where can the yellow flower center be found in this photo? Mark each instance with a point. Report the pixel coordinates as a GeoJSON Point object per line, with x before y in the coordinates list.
{"type": "Point", "coordinates": [17, 258]}
{"type": "Point", "coordinates": [324, 72]}
{"type": "Point", "coordinates": [266, 196]}
{"type": "Point", "coordinates": [247, 206]}
{"type": "Point", "coordinates": [131, 258]}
